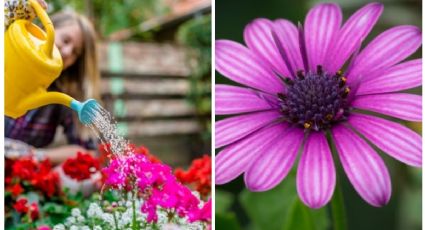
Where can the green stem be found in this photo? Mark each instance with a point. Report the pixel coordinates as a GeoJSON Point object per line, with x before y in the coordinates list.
{"type": "Point", "coordinates": [133, 202]}
{"type": "Point", "coordinates": [115, 219]}
{"type": "Point", "coordinates": [338, 209]}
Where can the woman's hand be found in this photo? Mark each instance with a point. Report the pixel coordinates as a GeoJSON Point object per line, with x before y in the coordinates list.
{"type": "Point", "coordinates": [15, 149]}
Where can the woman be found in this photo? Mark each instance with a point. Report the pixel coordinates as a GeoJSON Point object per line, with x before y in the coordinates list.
{"type": "Point", "coordinates": [75, 38]}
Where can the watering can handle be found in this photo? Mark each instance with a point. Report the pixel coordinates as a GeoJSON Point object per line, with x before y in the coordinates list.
{"type": "Point", "coordinates": [48, 26]}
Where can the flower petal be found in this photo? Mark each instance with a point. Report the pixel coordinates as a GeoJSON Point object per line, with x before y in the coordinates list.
{"type": "Point", "coordinates": [389, 48]}
{"type": "Point", "coordinates": [232, 129]}
{"type": "Point", "coordinates": [241, 65]}
{"type": "Point", "coordinates": [399, 77]}
{"type": "Point", "coordinates": [287, 33]}
{"type": "Point", "coordinates": [365, 169]}
{"type": "Point", "coordinates": [233, 100]}
{"type": "Point", "coordinates": [272, 167]}
{"type": "Point", "coordinates": [316, 172]}
{"type": "Point", "coordinates": [353, 32]}
{"type": "Point", "coordinates": [399, 105]}
{"type": "Point", "coordinates": [321, 25]}
{"type": "Point", "coordinates": [236, 158]}
{"type": "Point", "coordinates": [258, 37]}
{"type": "Point", "coordinates": [396, 140]}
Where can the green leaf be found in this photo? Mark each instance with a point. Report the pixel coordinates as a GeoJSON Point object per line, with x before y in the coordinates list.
{"type": "Point", "coordinates": [226, 221]}
{"type": "Point", "coordinates": [223, 200]}
{"type": "Point", "coordinates": [303, 218]}
{"type": "Point", "coordinates": [281, 209]}
{"type": "Point", "coordinates": [299, 218]}
{"type": "Point", "coordinates": [268, 210]}
{"type": "Point", "coordinates": [410, 215]}
{"type": "Point", "coordinates": [23, 226]}
{"type": "Point", "coordinates": [54, 208]}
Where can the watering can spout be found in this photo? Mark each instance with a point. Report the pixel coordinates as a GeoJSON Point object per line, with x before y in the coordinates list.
{"type": "Point", "coordinates": [85, 110]}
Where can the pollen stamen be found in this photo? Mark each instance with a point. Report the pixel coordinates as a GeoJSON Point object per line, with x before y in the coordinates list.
{"type": "Point", "coordinates": [343, 81]}
{"type": "Point", "coordinates": [319, 70]}
{"type": "Point", "coordinates": [288, 81]}
{"type": "Point", "coordinates": [300, 74]}
{"type": "Point", "coordinates": [281, 96]}
{"type": "Point", "coordinates": [346, 92]}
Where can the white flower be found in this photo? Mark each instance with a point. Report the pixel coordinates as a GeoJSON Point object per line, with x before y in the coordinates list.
{"type": "Point", "coordinates": [70, 220]}
{"type": "Point", "coordinates": [85, 228]}
{"type": "Point", "coordinates": [73, 227]}
{"type": "Point", "coordinates": [107, 217]}
{"type": "Point", "coordinates": [126, 217]}
{"type": "Point", "coordinates": [162, 216]}
{"type": "Point", "coordinates": [129, 204]}
{"type": "Point", "coordinates": [170, 226]}
{"type": "Point", "coordinates": [196, 193]}
{"type": "Point", "coordinates": [94, 210]}
{"type": "Point", "coordinates": [97, 227]}
{"type": "Point", "coordinates": [75, 212]}
{"type": "Point", "coordinates": [59, 227]}
{"type": "Point", "coordinates": [81, 219]}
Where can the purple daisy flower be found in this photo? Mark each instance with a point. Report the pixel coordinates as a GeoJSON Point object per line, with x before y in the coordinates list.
{"type": "Point", "coordinates": [295, 93]}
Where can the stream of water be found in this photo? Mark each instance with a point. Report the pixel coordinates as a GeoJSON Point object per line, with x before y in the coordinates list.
{"type": "Point", "coordinates": [105, 127]}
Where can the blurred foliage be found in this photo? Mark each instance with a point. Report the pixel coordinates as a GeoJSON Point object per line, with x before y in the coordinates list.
{"type": "Point", "coordinates": [110, 16]}
{"type": "Point", "coordinates": [223, 218]}
{"type": "Point", "coordinates": [196, 35]}
{"type": "Point", "coordinates": [276, 209]}
{"type": "Point", "coordinates": [410, 210]}
{"type": "Point", "coordinates": [280, 208]}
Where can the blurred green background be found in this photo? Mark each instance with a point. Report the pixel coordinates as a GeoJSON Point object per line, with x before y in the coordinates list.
{"type": "Point", "coordinates": [280, 208]}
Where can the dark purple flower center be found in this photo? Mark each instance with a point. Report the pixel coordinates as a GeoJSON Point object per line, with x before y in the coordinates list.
{"type": "Point", "coordinates": [315, 100]}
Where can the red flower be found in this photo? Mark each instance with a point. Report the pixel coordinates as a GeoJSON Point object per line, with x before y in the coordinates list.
{"type": "Point", "coordinates": [81, 167]}
{"type": "Point", "coordinates": [24, 168]}
{"type": "Point", "coordinates": [48, 182]}
{"type": "Point", "coordinates": [198, 174]}
{"type": "Point", "coordinates": [15, 189]}
{"type": "Point", "coordinates": [8, 167]}
{"type": "Point", "coordinates": [34, 212]}
{"type": "Point", "coordinates": [39, 175]}
{"type": "Point", "coordinates": [21, 205]}
{"type": "Point", "coordinates": [8, 180]}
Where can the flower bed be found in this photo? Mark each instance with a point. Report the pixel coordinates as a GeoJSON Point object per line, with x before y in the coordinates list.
{"type": "Point", "coordinates": [137, 192]}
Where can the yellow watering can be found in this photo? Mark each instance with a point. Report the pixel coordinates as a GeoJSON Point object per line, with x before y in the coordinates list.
{"type": "Point", "coordinates": [32, 63]}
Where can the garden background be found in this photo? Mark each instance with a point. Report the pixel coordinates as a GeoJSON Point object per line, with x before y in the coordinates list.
{"type": "Point", "coordinates": [155, 62]}
{"type": "Point", "coordinates": [156, 67]}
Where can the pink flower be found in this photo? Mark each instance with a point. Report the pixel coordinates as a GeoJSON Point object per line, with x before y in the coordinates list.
{"type": "Point", "coordinates": [154, 182]}
{"type": "Point", "coordinates": [150, 209]}
{"type": "Point", "coordinates": [203, 214]}
{"type": "Point", "coordinates": [44, 227]}
{"type": "Point", "coordinates": [295, 94]}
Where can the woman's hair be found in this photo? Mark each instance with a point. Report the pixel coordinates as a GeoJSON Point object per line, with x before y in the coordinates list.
{"type": "Point", "coordinates": [80, 80]}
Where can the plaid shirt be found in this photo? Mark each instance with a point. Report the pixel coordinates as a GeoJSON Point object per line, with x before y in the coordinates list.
{"type": "Point", "coordinates": [38, 127]}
